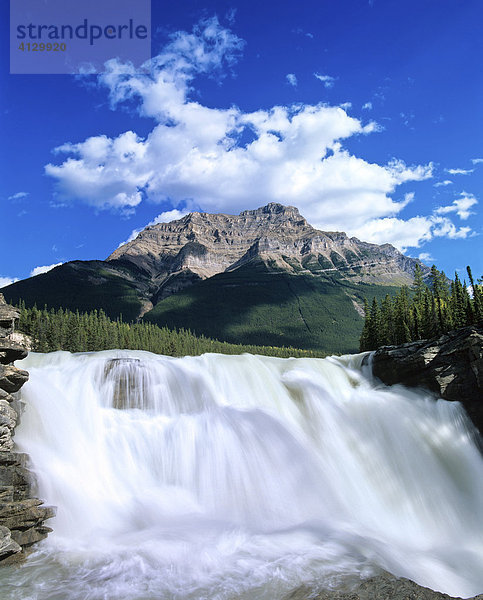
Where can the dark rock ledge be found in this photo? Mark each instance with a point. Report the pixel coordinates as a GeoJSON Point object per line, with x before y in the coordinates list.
{"type": "Point", "coordinates": [451, 366]}
{"type": "Point", "coordinates": [21, 516]}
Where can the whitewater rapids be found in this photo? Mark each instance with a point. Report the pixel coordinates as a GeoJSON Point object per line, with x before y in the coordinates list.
{"type": "Point", "coordinates": [223, 477]}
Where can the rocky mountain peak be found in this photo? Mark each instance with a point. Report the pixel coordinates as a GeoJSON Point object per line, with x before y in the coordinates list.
{"type": "Point", "coordinates": [200, 245]}
{"type": "Point", "coordinates": [272, 209]}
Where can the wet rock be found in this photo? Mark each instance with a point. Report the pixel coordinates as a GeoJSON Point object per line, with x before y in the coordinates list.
{"type": "Point", "coordinates": [11, 378]}
{"type": "Point", "coordinates": [10, 351]}
{"type": "Point", "coordinates": [25, 519]}
{"type": "Point", "coordinates": [381, 587]}
{"type": "Point", "coordinates": [8, 547]}
{"type": "Point", "coordinates": [21, 517]}
{"type": "Point", "coordinates": [5, 396]}
{"type": "Point", "coordinates": [451, 366]}
{"type": "Point", "coordinates": [14, 474]}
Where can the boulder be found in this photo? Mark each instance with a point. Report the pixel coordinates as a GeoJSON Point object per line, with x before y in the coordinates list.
{"type": "Point", "coordinates": [11, 378]}
{"type": "Point", "coordinates": [11, 351]}
{"type": "Point", "coordinates": [451, 366]}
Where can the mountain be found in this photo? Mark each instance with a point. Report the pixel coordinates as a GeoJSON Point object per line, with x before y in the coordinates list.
{"type": "Point", "coordinates": [201, 245]}
{"type": "Point", "coordinates": [265, 276]}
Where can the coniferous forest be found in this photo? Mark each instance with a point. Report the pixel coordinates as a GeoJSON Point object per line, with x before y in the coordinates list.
{"type": "Point", "coordinates": [428, 309]}
{"type": "Point", "coordinates": [60, 329]}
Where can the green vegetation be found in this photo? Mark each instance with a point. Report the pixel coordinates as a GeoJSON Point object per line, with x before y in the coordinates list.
{"type": "Point", "coordinates": [258, 305]}
{"type": "Point", "coordinates": [423, 312]}
{"type": "Point", "coordinates": [61, 329]}
{"type": "Point", "coordinates": [83, 286]}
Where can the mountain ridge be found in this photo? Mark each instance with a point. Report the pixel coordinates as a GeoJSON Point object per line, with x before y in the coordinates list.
{"type": "Point", "coordinates": [264, 277]}
{"type": "Point", "coordinates": [206, 244]}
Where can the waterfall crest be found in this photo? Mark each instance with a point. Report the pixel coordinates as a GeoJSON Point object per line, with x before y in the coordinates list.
{"type": "Point", "coordinates": [219, 476]}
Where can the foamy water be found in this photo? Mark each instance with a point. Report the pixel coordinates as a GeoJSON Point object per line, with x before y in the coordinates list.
{"type": "Point", "coordinates": [225, 477]}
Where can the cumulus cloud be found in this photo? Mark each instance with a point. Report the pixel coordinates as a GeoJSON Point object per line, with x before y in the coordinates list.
{"type": "Point", "coordinates": [292, 80]}
{"type": "Point", "coordinates": [460, 206]}
{"type": "Point", "coordinates": [477, 161]}
{"type": "Point", "coordinates": [164, 217]}
{"type": "Point", "coordinates": [367, 106]}
{"type": "Point", "coordinates": [199, 157]}
{"type": "Point", "coordinates": [4, 281]}
{"type": "Point", "coordinates": [411, 232]}
{"type": "Point", "coordinates": [443, 183]}
{"type": "Point", "coordinates": [459, 171]}
{"type": "Point", "coordinates": [44, 269]}
{"type": "Point", "coordinates": [327, 80]}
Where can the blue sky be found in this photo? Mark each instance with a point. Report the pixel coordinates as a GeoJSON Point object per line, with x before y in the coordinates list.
{"type": "Point", "coordinates": [366, 115]}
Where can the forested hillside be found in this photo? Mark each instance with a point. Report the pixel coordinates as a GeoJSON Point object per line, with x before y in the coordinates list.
{"type": "Point", "coordinates": [423, 311]}
{"type": "Point", "coordinates": [52, 330]}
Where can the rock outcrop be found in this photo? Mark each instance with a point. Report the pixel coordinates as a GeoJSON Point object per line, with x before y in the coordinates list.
{"type": "Point", "coordinates": [21, 516]}
{"type": "Point", "coordinates": [450, 366]}
{"type": "Point", "coordinates": [381, 587]}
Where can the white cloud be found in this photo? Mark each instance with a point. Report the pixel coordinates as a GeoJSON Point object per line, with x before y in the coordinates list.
{"type": "Point", "coordinates": [292, 80]}
{"type": "Point", "coordinates": [443, 227]}
{"type": "Point", "coordinates": [426, 257]}
{"type": "Point", "coordinates": [443, 183]}
{"type": "Point", "coordinates": [477, 161]}
{"type": "Point", "coordinates": [164, 217]}
{"type": "Point", "coordinates": [44, 269]}
{"type": "Point", "coordinates": [4, 281]}
{"type": "Point", "coordinates": [401, 234]}
{"type": "Point", "coordinates": [410, 233]}
{"type": "Point", "coordinates": [18, 196]}
{"type": "Point", "coordinates": [327, 80]}
{"type": "Point", "coordinates": [195, 156]}
{"type": "Point", "coordinates": [461, 206]}
{"type": "Point", "coordinates": [408, 197]}
{"type": "Point", "coordinates": [417, 230]}
{"type": "Point", "coordinates": [367, 106]}
{"type": "Point", "coordinates": [459, 171]}
{"type": "Point", "coordinates": [346, 105]}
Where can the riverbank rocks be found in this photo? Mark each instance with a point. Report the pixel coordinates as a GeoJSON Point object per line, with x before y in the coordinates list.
{"type": "Point", "coordinates": [451, 366]}
{"type": "Point", "coordinates": [21, 516]}
{"type": "Point", "coordinates": [381, 587]}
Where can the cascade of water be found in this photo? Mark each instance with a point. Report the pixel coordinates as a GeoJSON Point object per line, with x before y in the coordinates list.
{"type": "Point", "coordinates": [215, 476]}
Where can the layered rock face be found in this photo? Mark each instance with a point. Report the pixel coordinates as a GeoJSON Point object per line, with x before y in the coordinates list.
{"type": "Point", "coordinates": [450, 366]}
{"type": "Point", "coordinates": [21, 516]}
{"type": "Point", "coordinates": [201, 245]}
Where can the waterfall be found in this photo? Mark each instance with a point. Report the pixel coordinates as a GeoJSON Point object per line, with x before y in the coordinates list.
{"type": "Point", "coordinates": [243, 477]}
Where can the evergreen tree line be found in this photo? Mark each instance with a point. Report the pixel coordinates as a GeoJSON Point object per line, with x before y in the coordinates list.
{"type": "Point", "coordinates": [61, 329]}
{"type": "Point", "coordinates": [424, 311]}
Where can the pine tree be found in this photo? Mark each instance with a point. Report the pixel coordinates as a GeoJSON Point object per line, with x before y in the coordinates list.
{"type": "Point", "coordinates": [364, 339]}
{"type": "Point", "coordinates": [477, 299]}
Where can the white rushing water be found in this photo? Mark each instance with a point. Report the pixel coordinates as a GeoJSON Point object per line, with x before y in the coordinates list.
{"type": "Point", "coordinates": [224, 477]}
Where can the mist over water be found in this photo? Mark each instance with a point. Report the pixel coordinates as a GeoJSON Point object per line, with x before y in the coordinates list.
{"type": "Point", "coordinates": [224, 477]}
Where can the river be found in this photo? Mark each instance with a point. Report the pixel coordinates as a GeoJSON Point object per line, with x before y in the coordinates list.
{"type": "Point", "coordinates": [221, 477]}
